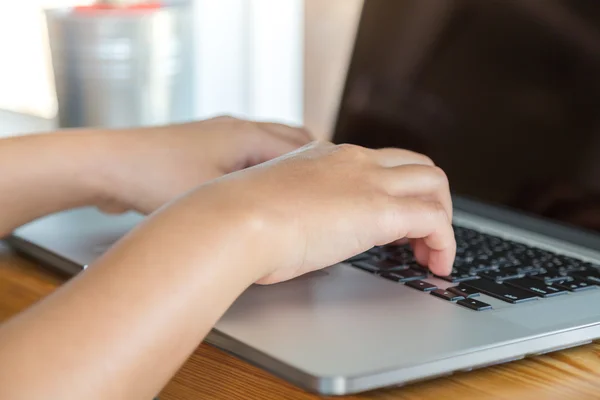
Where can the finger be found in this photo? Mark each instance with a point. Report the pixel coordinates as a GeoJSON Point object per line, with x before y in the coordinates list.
{"type": "Point", "coordinates": [416, 180]}
{"type": "Point", "coordinates": [390, 157]}
{"type": "Point", "coordinates": [420, 251]}
{"type": "Point", "coordinates": [425, 220]}
{"type": "Point", "coordinates": [299, 136]}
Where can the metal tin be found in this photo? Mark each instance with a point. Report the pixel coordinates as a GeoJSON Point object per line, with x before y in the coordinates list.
{"type": "Point", "coordinates": [122, 68]}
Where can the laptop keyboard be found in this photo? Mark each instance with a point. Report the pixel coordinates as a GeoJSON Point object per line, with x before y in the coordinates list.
{"type": "Point", "coordinates": [509, 271]}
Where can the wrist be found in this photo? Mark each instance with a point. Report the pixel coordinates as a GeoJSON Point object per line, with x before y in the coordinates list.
{"type": "Point", "coordinates": [46, 173]}
{"type": "Point", "coordinates": [250, 236]}
{"type": "Point", "coordinates": [68, 161]}
{"type": "Point", "coordinates": [107, 172]}
{"type": "Point", "coordinates": [96, 157]}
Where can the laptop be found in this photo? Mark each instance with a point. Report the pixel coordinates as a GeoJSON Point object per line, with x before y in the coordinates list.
{"type": "Point", "coordinates": [504, 96]}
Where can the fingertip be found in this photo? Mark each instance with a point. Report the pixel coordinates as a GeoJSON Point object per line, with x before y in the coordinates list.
{"type": "Point", "coordinates": [441, 262]}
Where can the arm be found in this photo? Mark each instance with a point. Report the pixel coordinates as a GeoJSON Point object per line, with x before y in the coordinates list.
{"type": "Point", "coordinates": [124, 326]}
{"type": "Point", "coordinates": [41, 174]}
{"type": "Point", "coordinates": [137, 169]}
{"type": "Point", "coordinates": [121, 329]}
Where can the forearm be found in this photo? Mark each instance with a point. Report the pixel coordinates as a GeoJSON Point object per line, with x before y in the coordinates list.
{"type": "Point", "coordinates": [125, 326]}
{"type": "Point", "coordinates": [41, 174]}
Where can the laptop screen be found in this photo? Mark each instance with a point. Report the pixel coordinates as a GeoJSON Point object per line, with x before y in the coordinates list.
{"type": "Point", "coordinates": [503, 95]}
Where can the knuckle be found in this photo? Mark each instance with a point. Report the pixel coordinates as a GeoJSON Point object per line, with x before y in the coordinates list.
{"type": "Point", "coordinates": [321, 143]}
{"type": "Point", "coordinates": [438, 211]}
{"type": "Point", "coordinates": [319, 147]}
{"type": "Point", "coordinates": [422, 158]}
{"type": "Point", "coordinates": [252, 128]}
{"type": "Point", "coordinates": [351, 150]}
{"type": "Point", "coordinates": [391, 212]}
{"type": "Point", "coordinates": [426, 159]}
{"type": "Point", "coordinates": [440, 175]}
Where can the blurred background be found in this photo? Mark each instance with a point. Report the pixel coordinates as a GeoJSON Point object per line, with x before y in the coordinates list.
{"type": "Point", "coordinates": [281, 60]}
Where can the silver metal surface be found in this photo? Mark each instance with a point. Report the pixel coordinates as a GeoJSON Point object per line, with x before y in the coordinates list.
{"type": "Point", "coordinates": [122, 68]}
{"type": "Point", "coordinates": [342, 330]}
{"type": "Point", "coordinates": [351, 331]}
{"type": "Point", "coordinates": [79, 236]}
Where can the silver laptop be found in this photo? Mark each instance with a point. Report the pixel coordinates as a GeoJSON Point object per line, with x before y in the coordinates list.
{"type": "Point", "coordinates": [505, 98]}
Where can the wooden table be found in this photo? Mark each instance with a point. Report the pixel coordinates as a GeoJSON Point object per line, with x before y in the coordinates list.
{"type": "Point", "coordinates": [212, 374]}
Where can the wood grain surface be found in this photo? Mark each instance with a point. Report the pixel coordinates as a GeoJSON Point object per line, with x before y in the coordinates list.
{"type": "Point", "coordinates": [213, 374]}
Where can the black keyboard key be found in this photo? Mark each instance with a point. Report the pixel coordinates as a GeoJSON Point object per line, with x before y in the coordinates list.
{"type": "Point", "coordinates": [458, 276]}
{"type": "Point", "coordinates": [538, 287]}
{"type": "Point", "coordinates": [567, 261]}
{"type": "Point", "coordinates": [500, 248]}
{"type": "Point", "coordinates": [377, 253]}
{"type": "Point", "coordinates": [503, 261]}
{"type": "Point", "coordinates": [484, 256]}
{"type": "Point", "coordinates": [446, 295]}
{"type": "Point", "coordinates": [554, 261]}
{"type": "Point", "coordinates": [529, 269]}
{"type": "Point", "coordinates": [587, 273]}
{"type": "Point", "coordinates": [494, 241]}
{"type": "Point", "coordinates": [460, 264]}
{"type": "Point", "coordinates": [468, 256]}
{"type": "Point", "coordinates": [401, 258]}
{"type": "Point", "coordinates": [367, 266]}
{"type": "Point", "coordinates": [406, 275]}
{"type": "Point", "coordinates": [500, 261]}
{"type": "Point", "coordinates": [464, 291]}
{"type": "Point", "coordinates": [518, 248]}
{"type": "Point", "coordinates": [551, 275]}
{"type": "Point", "coordinates": [545, 253]}
{"type": "Point", "coordinates": [502, 275]}
{"type": "Point", "coordinates": [474, 304]}
{"type": "Point", "coordinates": [381, 265]}
{"type": "Point", "coordinates": [466, 233]}
{"type": "Point", "coordinates": [530, 253]}
{"type": "Point", "coordinates": [575, 285]}
{"type": "Point", "coordinates": [359, 257]}
{"type": "Point", "coordinates": [421, 285]}
{"type": "Point", "coordinates": [500, 291]}
{"type": "Point", "coordinates": [572, 268]}
{"type": "Point", "coordinates": [375, 250]}
{"type": "Point", "coordinates": [510, 271]}
{"type": "Point", "coordinates": [548, 264]}
{"type": "Point", "coordinates": [392, 251]}
{"type": "Point", "coordinates": [389, 264]}
{"type": "Point", "coordinates": [475, 269]}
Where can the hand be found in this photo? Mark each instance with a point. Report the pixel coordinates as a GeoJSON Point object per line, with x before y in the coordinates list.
{"type": "Point", "coordinates": [186, 264]}
{"type": "Point", "coordinates": [324, 203]}
{"type": "Point", "coordinates": [150, 166]}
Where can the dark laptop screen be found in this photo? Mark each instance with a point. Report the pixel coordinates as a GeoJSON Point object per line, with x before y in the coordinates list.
{"type": "Point", "coordinates": [504, 95]}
